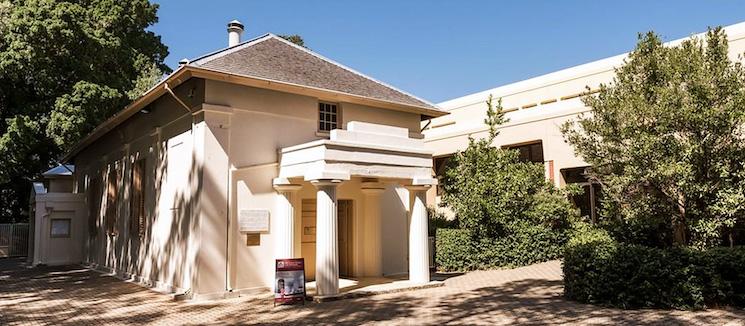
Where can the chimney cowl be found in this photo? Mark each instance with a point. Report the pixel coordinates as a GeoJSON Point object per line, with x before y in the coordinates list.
{"type": "Point", "coordinates": [235, 24]}
{"type": "Point", "coordinates": [235, 29]}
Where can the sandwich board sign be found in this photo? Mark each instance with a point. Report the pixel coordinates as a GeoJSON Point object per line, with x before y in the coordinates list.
{"type": "Point", "coordinates": [289, 281]}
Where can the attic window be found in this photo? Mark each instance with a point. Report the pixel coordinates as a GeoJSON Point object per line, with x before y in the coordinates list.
{"type": "Point", "coordinates": [328, 116]}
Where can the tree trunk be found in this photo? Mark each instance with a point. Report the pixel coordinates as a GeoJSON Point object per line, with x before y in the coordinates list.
{"type": "Point", "coordinates": [679, 224]}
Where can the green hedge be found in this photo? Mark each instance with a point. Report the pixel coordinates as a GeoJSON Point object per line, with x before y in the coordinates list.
{"type": "Point", "coordinates": [459, 250]}
{"type": "Point", "coordinates": [453, 250]}
{"type": "Point", "coordinates": [601, 271]}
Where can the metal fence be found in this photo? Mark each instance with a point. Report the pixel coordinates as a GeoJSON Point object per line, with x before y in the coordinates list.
{"type": "Point", "coordinates": [14, 240]}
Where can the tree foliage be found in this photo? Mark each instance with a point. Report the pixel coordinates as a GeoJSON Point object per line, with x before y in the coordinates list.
{"type": "Point", "coordinates": [494, 117]}
{"type": "Point", "coordinates": [294, 38]}
{"type": "Point", "coordinates": [490, 188]}
{"type": "Point", "coordinates": [665, 139]}
{"type": "Point", "coordinates": [65, 66]}
{"type": "Point", "coordinates": [510, 213]}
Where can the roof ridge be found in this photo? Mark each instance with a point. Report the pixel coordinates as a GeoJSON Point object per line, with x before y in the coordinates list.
{"type": "Point", "coordinates": [317, 55]}
{"type": "Point", "coordinates": [222, 52]}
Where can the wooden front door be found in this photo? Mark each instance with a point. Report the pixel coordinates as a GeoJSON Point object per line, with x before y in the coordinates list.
{"type": "Point", "coordinates": [308, 236]}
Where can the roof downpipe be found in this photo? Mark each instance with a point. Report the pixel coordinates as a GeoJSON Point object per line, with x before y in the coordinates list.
{"type": "Point", "coordinates": [235, 29]}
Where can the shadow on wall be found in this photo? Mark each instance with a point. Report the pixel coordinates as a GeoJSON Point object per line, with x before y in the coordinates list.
{"type": "Point", "coordinates": [162, 253]}
{"type": "Point", "coordinates": [166, 243]}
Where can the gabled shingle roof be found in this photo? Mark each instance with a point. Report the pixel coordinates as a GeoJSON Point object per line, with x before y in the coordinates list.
{"type": "Point", "coordinates": [275, 63]}
{"type": "Point", "coordinates": [273, 58]}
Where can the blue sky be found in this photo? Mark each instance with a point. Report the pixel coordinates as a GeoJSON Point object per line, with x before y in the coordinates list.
{"type": "Point", "coordinates": [440, 50]}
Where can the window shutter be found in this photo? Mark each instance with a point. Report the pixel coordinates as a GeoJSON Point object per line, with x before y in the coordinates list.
{"type": "Point", "coordinates": [94, 204]}
{"type": "Point", "coordinates": [137, 201]}
{"type": "Point", "coordinates": [111, 199]}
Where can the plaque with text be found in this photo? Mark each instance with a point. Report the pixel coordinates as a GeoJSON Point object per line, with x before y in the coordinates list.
{"type": "Point", "coordinates": [253, 220]}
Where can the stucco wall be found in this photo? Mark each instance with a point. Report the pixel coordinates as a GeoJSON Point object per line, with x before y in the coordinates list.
{"type": "Point", "coordinates": [64, 184]}
{"type": "Point", "coordinates": [164, 138]}
{"type": "Point", "coordinates": [51, 250]}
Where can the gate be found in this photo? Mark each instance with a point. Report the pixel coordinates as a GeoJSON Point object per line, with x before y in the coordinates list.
{"type": "Point", "coordinates": [14, 240]}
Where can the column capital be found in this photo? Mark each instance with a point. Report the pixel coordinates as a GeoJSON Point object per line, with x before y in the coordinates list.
{"type": "Point", "coordinates": [417, 187]}
{"type": "Point", "coordinates": [325, 182]}
{"type": "Point", "coordinates": [288, 188]}
{"type": "Point", "coordinates": [285, 185]}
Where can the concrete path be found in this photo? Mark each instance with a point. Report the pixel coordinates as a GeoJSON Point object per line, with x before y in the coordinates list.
{"type": "Point", "coordinates": [528, 295]}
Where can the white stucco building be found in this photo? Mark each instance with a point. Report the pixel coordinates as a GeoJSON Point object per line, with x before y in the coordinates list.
{"type": "Point", "coordinates": [57, 219]}
{"type": "Point", "coordinates": [258, 151]}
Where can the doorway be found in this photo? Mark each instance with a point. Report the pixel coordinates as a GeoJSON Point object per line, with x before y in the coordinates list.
{"type": "Point", "coordinates": [344, 216]}
{"type": "Point", "coordinates": [345, 224]}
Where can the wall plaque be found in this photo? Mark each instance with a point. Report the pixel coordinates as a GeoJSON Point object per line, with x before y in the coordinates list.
{"type": "Point", "coordinates": [253, 239]}
{"type": "Point", "coordinates": [253, 220]}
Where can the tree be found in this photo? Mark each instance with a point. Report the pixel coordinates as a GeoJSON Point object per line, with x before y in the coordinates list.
{"type": "Point", "coordinates": [65, 66]}
{"type": "Point", "coordinates": [665, 139]}
{"type": "Point", "coordinates": [493, 192]}
{"type": "Point", "coordinates": [507, 213]}
{"type": "Point", "coordinates": [294, 38]}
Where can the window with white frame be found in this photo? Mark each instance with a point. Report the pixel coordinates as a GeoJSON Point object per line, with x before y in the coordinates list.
{"type": "Point", "coordinates": [328, 116]}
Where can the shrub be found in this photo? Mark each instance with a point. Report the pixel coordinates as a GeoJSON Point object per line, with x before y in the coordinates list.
{"type": "Point", "coordinates": [523, 244]}
{"type": "Point", "coordinates": [599, 270]}
{"type": "Point", "coordinates": [454, 250]}
{"type": "Point", "coordinates": [438, 220]}
{"type": "Point", "coordinates": [648, 231]}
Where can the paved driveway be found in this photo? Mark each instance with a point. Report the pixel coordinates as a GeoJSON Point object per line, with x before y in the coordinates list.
{"type": "Point", "coordinates": [528, 295]}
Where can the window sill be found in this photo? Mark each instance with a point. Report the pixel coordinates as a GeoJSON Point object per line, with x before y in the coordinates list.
{"type": "Point", "coordinates": [324, 134]}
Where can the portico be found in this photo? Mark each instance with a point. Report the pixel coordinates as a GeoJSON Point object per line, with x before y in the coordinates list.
{"type": "Point", "coordinates": [371, 159]}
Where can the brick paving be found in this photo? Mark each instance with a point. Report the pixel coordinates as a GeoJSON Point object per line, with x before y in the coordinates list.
{"type": "Point", "coordinates": [528, 295]}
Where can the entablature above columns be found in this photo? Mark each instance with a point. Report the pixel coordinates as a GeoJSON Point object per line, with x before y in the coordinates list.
{"type": "Point", "coordinates": [363, 150]}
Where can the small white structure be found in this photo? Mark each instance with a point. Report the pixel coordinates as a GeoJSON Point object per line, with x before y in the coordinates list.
{"type": "Point", "coordinates": [57, 219]}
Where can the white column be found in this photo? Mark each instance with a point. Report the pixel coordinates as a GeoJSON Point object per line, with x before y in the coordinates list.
{"type": "Point", "coordinates": [373, 247]}
{"type": "Point", "coordinates": [418, 238]}
{"type": "Point", "coordinates": [284, 222]}
{"type": "Point", "coordinates": [327, 245]}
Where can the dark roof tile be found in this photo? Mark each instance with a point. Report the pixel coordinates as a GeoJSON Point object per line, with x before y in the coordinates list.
{"type": "Point", "coordinates": [270, 57]}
